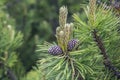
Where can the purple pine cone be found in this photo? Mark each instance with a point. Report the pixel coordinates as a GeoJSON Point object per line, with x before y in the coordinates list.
{"type": "Point", "coordinates": [72, 44]}
{"type": "Point", "coordinates": [55, 50]}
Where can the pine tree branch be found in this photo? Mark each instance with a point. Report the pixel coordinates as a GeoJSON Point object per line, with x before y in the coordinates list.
{"type": "Point", "coordinates": [106, 59]}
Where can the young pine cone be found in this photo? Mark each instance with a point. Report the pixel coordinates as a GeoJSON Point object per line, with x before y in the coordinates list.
{"type": "Point", "coordinates": [55, 50]}
{"type": "Point", "coordinates": [72, 44]}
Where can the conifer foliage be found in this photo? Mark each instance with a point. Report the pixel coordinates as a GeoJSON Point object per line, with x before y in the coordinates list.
{"type": "Point", "coordinates": [10, 40]}
{"type": "Point", "coordinates": [92, 54]}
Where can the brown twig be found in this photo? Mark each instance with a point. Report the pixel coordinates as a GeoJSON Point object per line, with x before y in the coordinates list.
{"type": "Point", "coordinates": [106, 59]}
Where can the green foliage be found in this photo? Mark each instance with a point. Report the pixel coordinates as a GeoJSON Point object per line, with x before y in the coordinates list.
{"type": "Point", "coordinates": [61, 68]}
{"type": "Point", "coordinates": [32, 75]}
{"type": "Point", "coordinates": [106, 24]}
{"type": "Point", "coordinates": [36, 19]}
{"type": "Point", "coordinates": [86, 62]}
{"type": "Point", "coordinates": [10, 41]}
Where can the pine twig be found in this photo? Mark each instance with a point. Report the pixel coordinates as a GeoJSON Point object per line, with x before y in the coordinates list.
{"type": "Point", "coordinates": [106, 59]}
{"type": "Point", "coordinates": [75, 71]}
{"type": "Point", "coordinates": [80, 77]}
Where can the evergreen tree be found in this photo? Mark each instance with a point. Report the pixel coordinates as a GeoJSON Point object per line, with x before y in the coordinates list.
{"type": "Point", "coordinates": [89, 50]}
